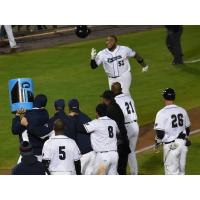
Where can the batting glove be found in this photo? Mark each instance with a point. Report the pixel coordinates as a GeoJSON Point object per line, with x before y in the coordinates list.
{"type": "Point", "coordinates": [145, 69]}
{"type": "Point", "coordinates": [93, 53]}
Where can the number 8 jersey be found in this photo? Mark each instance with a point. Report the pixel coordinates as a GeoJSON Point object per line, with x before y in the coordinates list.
{"type": "Point", "coordinates": [173, 120]}
{"type": "Point", "coordinates": [103, 134]}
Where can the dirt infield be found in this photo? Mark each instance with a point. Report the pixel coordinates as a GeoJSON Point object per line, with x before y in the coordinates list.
{"type": "Point", "coordinates": [62, 36]}
{"type": "Point", "coordinates": [146, 135]}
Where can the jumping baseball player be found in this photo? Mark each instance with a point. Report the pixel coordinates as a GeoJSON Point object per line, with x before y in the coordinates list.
{"type": "Point", "coordinates": [127, 106]}
{"type": "Point", "coordinates": [104, 142]}
{"type": "Point", "coordinates": [172, 129]}
{"type": "Point", "coordinates": [115, 60]}
{"type": "Point", "coordinates": [60, 154]}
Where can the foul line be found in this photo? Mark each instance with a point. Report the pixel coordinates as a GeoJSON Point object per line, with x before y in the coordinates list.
{"type": "Point", "coordinates": [192, 61]}
{"type": "Point", "coordinates": [152, 146]}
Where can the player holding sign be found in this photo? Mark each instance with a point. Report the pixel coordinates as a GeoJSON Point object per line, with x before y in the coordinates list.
{"type": "Point", "coordinates": [172, 128]}
{"type": "Point", "coordinates": [115, 60]}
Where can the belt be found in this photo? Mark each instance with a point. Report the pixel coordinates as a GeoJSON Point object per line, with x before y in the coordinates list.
{"type": "Point", "coordinates": [105, 151]}
{"type": "Point", "coordinates": [180, 136]}
{"type": "Point", "coordinates": [130, 122]}
{"type": "Point", "coordinates": [113, 76]}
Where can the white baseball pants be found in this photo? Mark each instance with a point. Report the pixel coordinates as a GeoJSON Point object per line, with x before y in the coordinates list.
{"type": "Point", "coordinates": [10, 35]}
{"type": "Point", "coordinates": [125, 81]}
{"type": "Point", "coordinates": [175, 154]}
{"type": "Point", "coordinates": [87, 163]}
{"type": "Point", "coordinates": [106, 163]}
{"type": "Point", "coordinates": [132, 132]}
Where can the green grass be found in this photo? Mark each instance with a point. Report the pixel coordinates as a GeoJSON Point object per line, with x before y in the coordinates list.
{"type": "Point", "coordinates": [150, 162]}
{"type": "Point", "coordinates": [64, 72]}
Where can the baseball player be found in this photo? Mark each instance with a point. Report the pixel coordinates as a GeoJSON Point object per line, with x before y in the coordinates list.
{"type": "Point", "coordinates": [127, 106]}
{"type": "Point", "coordinates": [60, 154]}
{"type": "Point", "coordinates": [104, 142]}
{"type": "Point", "coordinates": [82, 140]}
{"type": "Point", "coordinates": [115, 60]}
{"type": "Point", "coordinates": [172, 129]}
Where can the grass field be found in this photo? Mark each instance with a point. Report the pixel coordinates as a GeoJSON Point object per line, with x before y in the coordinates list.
{"type": "Point", "coordinates": [152, 163]}
{"type": "Point", "coordinates": [64, 72]}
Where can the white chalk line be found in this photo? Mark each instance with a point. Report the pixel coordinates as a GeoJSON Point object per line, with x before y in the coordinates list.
{"type": "Point", "coordinates": [152, 146]}
{"type": "Point", "coordinates": [192, 61]}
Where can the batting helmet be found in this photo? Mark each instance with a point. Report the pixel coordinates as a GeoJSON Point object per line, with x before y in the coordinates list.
{"type": "Point", "coordinates": [82, 31]}
{"type": "Point", "coordinates": [169, 94]}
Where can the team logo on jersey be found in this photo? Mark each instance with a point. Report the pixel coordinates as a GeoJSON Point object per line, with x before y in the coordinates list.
{"type": "Point", "coordinates": [110, 60]}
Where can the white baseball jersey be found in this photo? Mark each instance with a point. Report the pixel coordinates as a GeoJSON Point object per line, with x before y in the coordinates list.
{"type": "Point", "coordinates": [103, 134]}
{"type": "Point", "coordinates": [127, 106]}
{"type": "Point", "coordinates": [62, 152]}
{"type": "Point", "coordinates": [116, 62]}
{"type": "Point", "coordinates": [173, 120]}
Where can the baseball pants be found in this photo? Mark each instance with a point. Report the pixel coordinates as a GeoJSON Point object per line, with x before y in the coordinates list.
{"type": "Point", "coordinates": [175, 154]}
{"type": "Point", "coordinates": [10, 35]}
{"type": "Point", "coordinates": [87, 163]}
{"type": "Point", "coordinates": [106, 163]}
{"type": "Point", "coordinates": [125, 81]}
{"type": "Point", "coordinates": [132, 132]}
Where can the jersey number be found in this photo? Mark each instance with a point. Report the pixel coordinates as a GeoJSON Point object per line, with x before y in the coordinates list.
{"type": "Point", "coordinates": [177, 120]}
{"type": "Point", "coordinates": [129, 107]}
{"type": "Point", "coordinates": [120, 63]}
{"type": "Point", "coordinates": [62, 154]}
{"type": "Point", "coordinates": [110, 132]}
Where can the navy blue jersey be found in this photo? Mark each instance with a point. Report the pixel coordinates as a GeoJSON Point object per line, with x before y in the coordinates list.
{"type": "Point", "coordinates": [82, 139]}
{"type": "Point", "coordinates": [35, 118]}
{"type": "Point", "coordinates": [29, 166]}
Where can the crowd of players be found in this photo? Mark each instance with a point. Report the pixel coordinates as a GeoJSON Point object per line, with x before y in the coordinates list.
{"type": "Point", "coordinates": [72, 143]}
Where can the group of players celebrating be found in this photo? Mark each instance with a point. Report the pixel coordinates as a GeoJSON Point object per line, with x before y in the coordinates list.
{"type": "Point", "coordinates": [74, 144]}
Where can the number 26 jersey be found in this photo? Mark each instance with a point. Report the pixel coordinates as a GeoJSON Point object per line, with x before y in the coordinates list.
{"type": "Point", "coordinates": [173, 120]}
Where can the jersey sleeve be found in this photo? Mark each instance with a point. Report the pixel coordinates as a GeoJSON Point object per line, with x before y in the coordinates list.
{"type": "Point", "coordinates": [99, 58]}
{"type": "Point", "coordinates": [76, 153]}
{"type": "Point", "coordinates": [90, 126]}
{"type": "Point", "coordinates": [117, 128]}
{"type": "Point", "coordinates": [159, 122]}
{"type": "Point", "coordinates": [46, 151]}
{"type": "Point", "coordinates": [187, 120]}
{"type": "Point", "coordinates": [130, 53]}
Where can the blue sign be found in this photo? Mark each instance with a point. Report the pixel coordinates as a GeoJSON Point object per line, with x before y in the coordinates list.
{"type": "Point", "coordinates": [21, 94]}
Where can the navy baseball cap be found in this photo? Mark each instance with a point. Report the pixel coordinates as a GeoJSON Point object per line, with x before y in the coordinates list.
{"type": "Point", "coordinates": [169, 94]}
{"type": "Point", "coordinates": [59, 104]}
{"type": "Point", "coordinates": [108, 94]}
{"type": "Point", "coordinates": [73, 104]}
{"type": "Point", "coordinates": [26, 148]}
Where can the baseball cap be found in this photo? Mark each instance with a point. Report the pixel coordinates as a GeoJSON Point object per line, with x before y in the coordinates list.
{"type": "Point", "coordinates": [26, 148]}
{"type": "Point", "coordinates": [59, 104]}
{"type": "Point", "coordinates": [108, 94]}
{"type": "Point", "coordinates": [73, 104]}
{"type": "Point", "coordinates": [169, 94]}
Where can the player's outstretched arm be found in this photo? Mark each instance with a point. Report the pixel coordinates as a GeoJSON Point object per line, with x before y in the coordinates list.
{"type": "Point", "coordinates": [93, 63]}
{"type": "Point", "coordinates": [140, 60]}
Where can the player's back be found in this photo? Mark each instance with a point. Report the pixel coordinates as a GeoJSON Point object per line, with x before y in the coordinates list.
{"type": "Point", "coordinates": [127, 106]}
{"type": "Point", "coordinates": [173, 120]}
{"type": "Point", "coordinates": [62, 153]}
{"type": "Point", "coordinates": [103, 134]}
